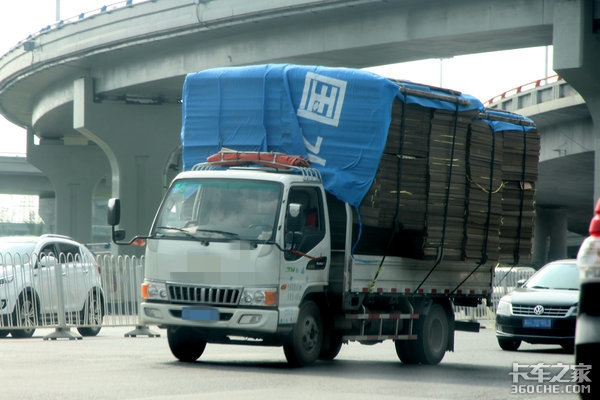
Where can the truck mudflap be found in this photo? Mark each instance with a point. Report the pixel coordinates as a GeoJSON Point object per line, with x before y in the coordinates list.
{"type": "Point", "coordinates": [384, 330]}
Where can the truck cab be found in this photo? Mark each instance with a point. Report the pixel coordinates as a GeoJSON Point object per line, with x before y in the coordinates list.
{"type": "Point", "coordinates": [233, 254]}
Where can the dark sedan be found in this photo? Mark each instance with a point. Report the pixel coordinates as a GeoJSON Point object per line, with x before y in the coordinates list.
{"type": "Point", "coordinates": [541, 311]}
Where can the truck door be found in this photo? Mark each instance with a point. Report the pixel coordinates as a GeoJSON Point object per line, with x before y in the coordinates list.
{"type": "Point", "coordinates": [306, 261]}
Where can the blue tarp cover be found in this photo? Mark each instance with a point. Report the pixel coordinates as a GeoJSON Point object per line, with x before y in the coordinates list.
{"type": "Point", "coordinates": [499, 126]}
{"type": "Point", "coordinates": [337, 117]}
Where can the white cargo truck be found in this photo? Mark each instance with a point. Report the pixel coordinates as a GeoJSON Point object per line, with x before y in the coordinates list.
{"type": "Point", "coordinates": [257, 245]}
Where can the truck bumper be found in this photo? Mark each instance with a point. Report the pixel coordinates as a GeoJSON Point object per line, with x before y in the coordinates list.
{"type": "Point", "coordinates": [233, 320]}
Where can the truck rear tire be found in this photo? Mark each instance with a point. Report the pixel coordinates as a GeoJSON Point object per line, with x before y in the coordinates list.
{"type": "Point", "coordinates": [185, 344]}
{"type": "Point", "coordinates": [306, 341]}
{"type": "Point", "coordinates": [432, 336]}
{"type": "Point", "coordinates": [406, 351]}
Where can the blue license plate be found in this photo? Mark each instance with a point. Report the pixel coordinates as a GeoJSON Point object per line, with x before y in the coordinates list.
{"type": "Point", "coordinates": [539, 323]}
{"type": "Point", "coordinates": [199, 314]}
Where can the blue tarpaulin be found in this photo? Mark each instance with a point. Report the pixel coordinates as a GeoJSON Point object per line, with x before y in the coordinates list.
{"type": "Point", "coordinates": [337, 117]}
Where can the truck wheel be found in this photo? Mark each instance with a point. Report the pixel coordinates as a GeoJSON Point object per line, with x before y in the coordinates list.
{"type": "Point", "coordinates": [432, 340]}
{"type": "Point", "coordinates": [185, 344]}
{"type": "Point", "coordinates": [333, 348]}
{"type": "Point", "coordinates": [406, 351]}
{"type": "Point", "coordinates": [307, 337]}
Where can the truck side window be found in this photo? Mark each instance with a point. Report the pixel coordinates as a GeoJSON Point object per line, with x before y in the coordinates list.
{"type": "Point", "coordinates": [308, 227]}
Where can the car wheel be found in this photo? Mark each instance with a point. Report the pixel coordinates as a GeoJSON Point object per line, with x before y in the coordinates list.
{"type": "Point", "coordinates": [568, 346]}
{"type": "Point", "coordinates": [25, 316]}
{"type": "Point", "coordinates": [92, 314]}
{"type": "Point", "coordinates": [185, 343]}
{"type": "Point", "coordinates": [509, 344]}
{"type": "Point", "coordinates": [305, 344]}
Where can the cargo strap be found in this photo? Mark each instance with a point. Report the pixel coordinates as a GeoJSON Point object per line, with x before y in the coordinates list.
{"type": "Point", "coordinates": [440, 250]}
{"type": "Point", "coordinates": [397, 222]}
{"type": "Point", "coordinates": [490, 192]}
{"type": "Point", "coordinates": [517, 252]}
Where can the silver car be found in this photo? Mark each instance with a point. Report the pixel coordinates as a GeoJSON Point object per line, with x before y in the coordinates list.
{"type": "Point", "coordinates": [46, 281]}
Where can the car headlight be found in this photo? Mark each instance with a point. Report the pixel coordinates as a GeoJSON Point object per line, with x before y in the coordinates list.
{"type": "Point", "coordinates": [259, 297]}
{"type": "Point", "coordinates": [154, 291]}
{"type": "Point", "coordinates": [504, 307]}
{"type": "Point", "coordinates": [6, 279]}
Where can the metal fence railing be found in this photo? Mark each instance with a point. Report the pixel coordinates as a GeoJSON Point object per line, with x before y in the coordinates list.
{"type": "Point", "coordinates": [505, 280]}
{"type": "Point", "coordinates": [65, 292]}
{"type": "Point", "coordinates": [68, 293]}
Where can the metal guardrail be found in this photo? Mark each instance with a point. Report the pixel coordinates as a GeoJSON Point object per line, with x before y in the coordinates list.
{"type": "Point", "coordinates": [65, 293]}
{"type": "Point", "coordinates": [69, 294]}
{"type": "Point", "coordinates": [505, 281]}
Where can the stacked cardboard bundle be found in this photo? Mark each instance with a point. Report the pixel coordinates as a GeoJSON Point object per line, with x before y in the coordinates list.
{"type": "Point", "coordinates": [447, 184]}
{"type": "Point", "coordinates": [484, 206]}
{"type": "Point", "coordinates": [520, 170]}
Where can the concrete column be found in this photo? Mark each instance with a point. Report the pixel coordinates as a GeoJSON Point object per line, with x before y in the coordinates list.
{"type": "Point", "coordinates": [550, 237]}
{"type": "Point", "coordinates": [576, 59]}
{"type": "Point", "coordinates": [74, 172]}
{"type": "Point", "coordinates": [138, 141]}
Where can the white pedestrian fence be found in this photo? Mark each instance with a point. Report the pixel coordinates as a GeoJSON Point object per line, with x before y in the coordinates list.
{"type": "Point", "coordinates": [505, 280]}
{"type": "Point", "coordinates": [67, 292]}
{"type": "Point", "coordinates": [64, 292]}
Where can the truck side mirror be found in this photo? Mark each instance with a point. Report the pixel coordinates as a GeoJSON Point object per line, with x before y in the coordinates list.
{"type": "Point", "coordinates": [113, 214]}
{"type": "Point", "coordinates": [294, 210]}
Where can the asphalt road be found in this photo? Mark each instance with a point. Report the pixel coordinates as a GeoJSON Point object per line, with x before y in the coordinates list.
{"type": "Point", "coordinates": [111, 366]}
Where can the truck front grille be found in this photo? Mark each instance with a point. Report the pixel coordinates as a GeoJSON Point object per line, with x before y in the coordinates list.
{"type": "Point", "coordinates": [222, 296]}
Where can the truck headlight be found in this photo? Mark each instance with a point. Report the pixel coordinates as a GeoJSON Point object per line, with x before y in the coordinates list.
{"type": "Point", "coordinates": [154, 291]}
{"type": "Point", "coordinates": [504, 307]}
{"type": "Point", "coordinates": [259, 297]}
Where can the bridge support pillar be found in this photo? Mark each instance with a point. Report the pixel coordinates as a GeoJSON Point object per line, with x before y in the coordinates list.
{"type": "Point", "coordinates": [576, 34]}
{"type": "Point", "coordinates": [138, 141]}
{"type": "Point", "coordinates": [74, 172]}
{"type": "Point", "coordinates": [550, 237]}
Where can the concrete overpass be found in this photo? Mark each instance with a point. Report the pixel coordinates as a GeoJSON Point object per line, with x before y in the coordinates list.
{"type": "Point", "coordinates": [101, 92]}
{"type": "Point", "coordinates": [564, 189]}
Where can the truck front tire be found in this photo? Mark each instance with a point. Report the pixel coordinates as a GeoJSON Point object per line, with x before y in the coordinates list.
{"type": "Point", "coordinates": [185, 344]}
{"type": "Point", "coordinates": [306, 341]}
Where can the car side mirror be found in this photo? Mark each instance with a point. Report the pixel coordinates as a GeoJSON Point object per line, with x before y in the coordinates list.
{"type": "Point", "coordinates": [113, 213]}
{"type": "Point", "coordinates": [521, 282]}
{"type": "Point", "coordinates": [48, 261]}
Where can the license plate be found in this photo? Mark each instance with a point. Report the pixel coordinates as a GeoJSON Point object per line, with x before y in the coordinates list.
{"type": "Point", "coordinates": [199, 314]}
{"type": "Point", "coordinates": [540, 323]}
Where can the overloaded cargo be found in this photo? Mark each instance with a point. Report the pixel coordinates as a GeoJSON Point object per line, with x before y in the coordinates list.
{"type": "Point", "coordinates": [447, 178]}
{"type": "Point", "coordinates": [412, 196]}
{"type": "Point", "coordinates": [455, 184]}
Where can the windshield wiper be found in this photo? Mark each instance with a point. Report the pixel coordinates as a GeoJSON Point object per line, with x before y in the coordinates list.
{"type": "Point", "coordinates": [539, 287]}
{"type": "Point", "coordinates": [224, 233]}
{"type": "Point", "coordinates": [187, 233]}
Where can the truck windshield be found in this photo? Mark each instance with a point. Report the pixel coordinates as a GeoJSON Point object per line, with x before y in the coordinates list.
{"type": "Point", "coordinates": [219, 209]}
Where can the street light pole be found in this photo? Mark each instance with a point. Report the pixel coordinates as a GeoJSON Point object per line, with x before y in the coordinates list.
{"type": "Point", "coordinates": [58, 10]}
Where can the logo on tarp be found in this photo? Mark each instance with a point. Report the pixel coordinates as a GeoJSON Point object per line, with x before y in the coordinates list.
{"type": "Point", "coordinates": [322, 99]}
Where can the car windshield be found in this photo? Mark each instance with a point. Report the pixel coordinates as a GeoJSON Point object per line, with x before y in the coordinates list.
{"type": "Point", "coordinates": [219, 209]}
{"type": "Point", "coordinates": [556, 275]}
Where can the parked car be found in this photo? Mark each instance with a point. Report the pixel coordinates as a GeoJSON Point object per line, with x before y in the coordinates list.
{"type": "Point", "coordinates": [542, 310]}
{"type": "Point", "coordinates": [587, 334]}
{"type": "Point", "coordinates": [30, 288]}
